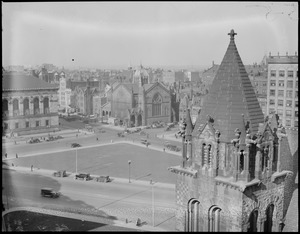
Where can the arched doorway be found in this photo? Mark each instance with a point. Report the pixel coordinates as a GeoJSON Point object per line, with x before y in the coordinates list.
{"type": "Point", "coordinates": [269, 216]}
{"type": "Point", "coordinates": [132, 120]}
{"type": "Point", "coordinates": [139, 120]}
{"type": "Point", "coordinates": [253, 221]}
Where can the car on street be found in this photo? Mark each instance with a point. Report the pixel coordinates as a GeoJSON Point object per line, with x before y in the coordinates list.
{"type": "Point", "coordinates": [49, 192]}
{"type": "Point", "coordinates": [103, 178]}
{"type": "Point", "coordinates": [34, 140]}
{"type": "Point", "coordinates": [74, 145]}
{"type": "Point", "coordinates": [83, 176]}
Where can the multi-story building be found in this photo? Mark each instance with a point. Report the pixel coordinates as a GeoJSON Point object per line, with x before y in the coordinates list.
{"type": "Point", "coordinates": [29, 105]}
{"type": "Point", "coordinates": [234, 170]}
{"type": "Point", "coordinates": [209, 74]}
{"type": "Point", "coordinates": [64, 94]}
{"type": "Point", "coordinates": [282, 96]}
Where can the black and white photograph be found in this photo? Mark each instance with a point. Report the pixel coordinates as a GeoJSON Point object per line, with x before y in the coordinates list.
{"type": "Point", "coordinates": [150, 116]}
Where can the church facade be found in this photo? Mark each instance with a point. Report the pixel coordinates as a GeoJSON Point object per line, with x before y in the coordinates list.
{"type": "Point", "coordinates": [232, 175]}
{"type": "Point", "coordinates": [140, 103]}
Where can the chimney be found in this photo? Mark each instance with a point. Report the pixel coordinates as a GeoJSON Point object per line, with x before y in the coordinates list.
{"type": "Point", "coordinates": [213, 63]}
{"type": "Point", "coordinates": [278, 54]}
{"type": "Point", "coordinates": [287, 54]}
{"type": "Point", "coordinates": [270, 54]}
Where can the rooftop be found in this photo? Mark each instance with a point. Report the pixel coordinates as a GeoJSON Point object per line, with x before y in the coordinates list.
{"type": "Point", "coordinates": [19, 81]}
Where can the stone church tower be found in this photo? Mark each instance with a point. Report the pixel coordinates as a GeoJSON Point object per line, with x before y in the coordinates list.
{"type": "Point", "coordinates": [231, 178]}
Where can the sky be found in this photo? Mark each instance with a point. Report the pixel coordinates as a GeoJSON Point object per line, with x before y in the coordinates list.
{"type": "Point", "coordinates": [111, 34]}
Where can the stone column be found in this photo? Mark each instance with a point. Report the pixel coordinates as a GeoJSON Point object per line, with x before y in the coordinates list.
{"type": "Point", "coordinates": [258, 164]}
{"type": "Point", "coordinates": [21, 106]}
{"type": "Point", "coordinates": [136, 120]}
{"type": "Point", "coordinates": [246, 163]}
{"type": "Point", "coordinates": [236, 170]}
{"type": "Point", "coordinates": [10, 108]}
{"type": "Point", "coordinates": [184, 159]}
{"type": "Point", "coordinates": [41, 106]}
{"type": "Point", "coordinates": [31, 111]}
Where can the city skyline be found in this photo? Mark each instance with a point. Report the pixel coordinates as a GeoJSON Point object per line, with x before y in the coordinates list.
{"type": "Point", "coordinates": [106, 34]}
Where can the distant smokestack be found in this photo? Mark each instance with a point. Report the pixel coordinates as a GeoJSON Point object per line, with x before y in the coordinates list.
{"type": "Point", "coordinates": [269, 53]}
{"type": "Point", "coordinates": [213, 63]}
{"type": "Point", "coordinates": [278, 54]}
{"type": "Point", "coordinates": [287, 54]}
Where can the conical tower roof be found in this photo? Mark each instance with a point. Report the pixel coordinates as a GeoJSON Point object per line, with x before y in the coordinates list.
{"type": "Point", "coordinates": [231, 95]}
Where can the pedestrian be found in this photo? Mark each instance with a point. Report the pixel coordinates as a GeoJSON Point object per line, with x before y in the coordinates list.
{"type": "Point", "coordinates": [76, 135]}
{"type": "Point", "coordinates": [97, 138]}
{"type": "Point", "coordinates": [164, 149]}
{"type": "Point", "coordinates": [31, 167]}
{"type": "Point", "coordinates": [78, 129]}
{"type": "Point", "coordinates": [16, 155]}
{"type": "Point", "coordinates": [15, 142]}
{"type": "Point", "coordinates": [5, 155]}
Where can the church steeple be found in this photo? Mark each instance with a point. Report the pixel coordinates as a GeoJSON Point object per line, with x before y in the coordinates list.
{"type": "Point", "coordinates": [231, 95]}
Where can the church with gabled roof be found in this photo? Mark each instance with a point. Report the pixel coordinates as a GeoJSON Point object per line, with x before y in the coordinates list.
{"type": "Point", "coordinates": [231, 176]}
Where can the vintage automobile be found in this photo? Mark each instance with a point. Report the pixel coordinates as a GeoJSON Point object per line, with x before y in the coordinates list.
{"type": "Point", "coordinates": [103, 178]}
{"type": "Point", "coordinates": [74, 145]}
{"type": "Point", "coordinates": [145, 142]}
{"type": "Point", "coordinates": [60, 174]}
{"type": "Point", "coordinates": [83, 176]}
{"type": "Point", "coordinates": [49, 192]}
{"type": "Point", "coordinates": [34, 140]}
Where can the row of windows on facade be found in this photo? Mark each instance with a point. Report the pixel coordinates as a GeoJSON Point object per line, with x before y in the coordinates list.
{"type": "Point", "coordinates": [193, 224]}
{"type": "Point", "coordinates": [288, 103]}
{"type": "Point", "coordinates": [289, 83]}
{"type": "Point", "coordinates": [289, 93]}
{"type": "Point", "coordinates": [282, 73]}
{"type": "Point", "coordinates": [288, 122]}
{"type": "Point", "coordinates": [26, 109]}
{"type": "Point", "coordinates": [288, 113]}
{"type": "Point", "coordinates": [27, 125]}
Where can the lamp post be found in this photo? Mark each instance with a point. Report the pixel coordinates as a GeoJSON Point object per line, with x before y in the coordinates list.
{"type": "Point", "coordinates": [153, 220]}
{"type": "Point", "coordinates": [76, 160]}
{"type": "Point", "coordinates": [129, 162]}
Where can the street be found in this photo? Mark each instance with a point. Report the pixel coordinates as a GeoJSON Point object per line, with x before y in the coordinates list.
{"type": "Point", "coordinates": [116, 200]}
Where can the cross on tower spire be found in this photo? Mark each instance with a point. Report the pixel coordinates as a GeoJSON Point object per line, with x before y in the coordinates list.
{"type": "Point", "coordinates": [232, 34]}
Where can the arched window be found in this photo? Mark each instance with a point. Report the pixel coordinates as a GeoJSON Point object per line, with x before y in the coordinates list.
{"type": "Point", "coordinates": [209, 155]}
{"type": "Point", "coordinates": [242, 156]}
{"type": "Point", "coordinates": [156, 105]}
{"type": "Point", "coordinates": [46, 105]}
{"type": "Point", "coordinates": [36, 106]}
{"type": "Point", "coordinates": [5, 108]}
{"type": "Point", "coordinates": [253, 221]}
{"type": "Point", "coordinates": [193, 216]}
{"type": "Point", "coordinates": [203, 154]}
{"type": "Point", "coordinates": [15, 107]}
{"type": "Point", "coordinates": [26, 110]}
{"type": "Point", "coordinates": [214, 219]}
{"type": "Point", "coordinates": [269, 216]}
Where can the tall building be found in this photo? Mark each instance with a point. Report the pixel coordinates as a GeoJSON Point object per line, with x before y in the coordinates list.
{"type": "Point", "coordinates": [233, 171]}
{"type": "Point", "coordinates": [282, 96]}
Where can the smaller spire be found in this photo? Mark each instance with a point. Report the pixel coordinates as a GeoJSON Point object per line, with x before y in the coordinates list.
{"type": "Point", "coordinates": [232, 34]}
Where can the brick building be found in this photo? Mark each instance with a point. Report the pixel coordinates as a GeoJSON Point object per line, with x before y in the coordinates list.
{"type": "Point", "coordinates": [29, 105]}
{"type": "Point", "coordinates": [234, 167]}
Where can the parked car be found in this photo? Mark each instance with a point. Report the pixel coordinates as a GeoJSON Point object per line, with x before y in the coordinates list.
{"type": "Point", "coordinates": [120, 134]}
{"type": "Point", "coordinates": [49, 192]}
{"type": "Point", "coordinates": [34, 140]}
{"type": "Point", "coordinates": [60, 174]}
{"type": "Point", "coordinates": [74, 145]}
{"type": "Point", "coordinates": [83, 176]}
{"type": "Point", "coordinates": [103, 178]}
{"type": "Point", "coordinates": [145, 142]}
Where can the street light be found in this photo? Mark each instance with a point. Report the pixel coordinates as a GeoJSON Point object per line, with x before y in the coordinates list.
{"type": "Point", "coordinates": [76, 160]}
{"type": "Point", "coordinates": [153, 202]}
{"type": "Point", "coordinates": [129, 162]}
